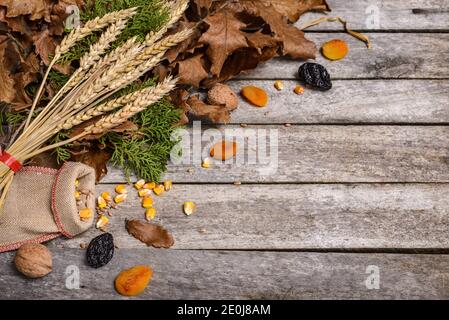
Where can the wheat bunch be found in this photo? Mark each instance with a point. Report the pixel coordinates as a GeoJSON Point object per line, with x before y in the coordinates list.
{"type": "Point", "coordinates": [87, 93]}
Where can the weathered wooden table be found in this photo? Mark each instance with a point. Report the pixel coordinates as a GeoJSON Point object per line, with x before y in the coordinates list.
{"type": "Point", "coordinates": [361, 192]}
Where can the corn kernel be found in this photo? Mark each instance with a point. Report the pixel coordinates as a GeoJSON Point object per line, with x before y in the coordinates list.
{"type": "Point", "coordinates": [149, 185]}
{"type": "Point", "coordinates": [102, 221]}
{"type": "Point", "coordinates": [85, 214]}
{"type": "Point", "coordinates": [101, 202]}
{"type": "Point", "coordinates": [77, 195]}
{"type": "Point", "coordinates": [299, 90]}
{"type": "Point", "coordinates": [168, 185]}
{"type": "Point", "coordinates": [144, 193]}
{"type": "Point", "coordinates": [139, 184]}
{"type": "Point", "coordinates": [279, 85]}
{"type": "Point", "coordinates": [106, 196]}
{"type": "Point", "coordinates": [150, 213]}
{"type": "Point", "coordinates": [121, 189]}
{"type": "Point", "coordinates": [147, 202]}
{"type": "Point", "coordinates": [158, 190]}
{"type": "Point", "coordinates": [189, 208]}
{"type": "Point", "coordinates": [206, 163]}
{"type": "Point", "coordinates": [120, 198]}
{"type": "Point", "coordinates": [77, 183]}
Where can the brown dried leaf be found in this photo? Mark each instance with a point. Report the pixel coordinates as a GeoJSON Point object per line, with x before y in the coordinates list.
{"type": "Point", "coordinates": [150, 234]}
{"type": "Point", "coordinates": [36, 9]}
{"type": "Point", "coordinates": [192, 71]}
{"type": "Point", "coordinates": [96, 158]}
{"type": "Point", "coordinates": [45, 45]}
{"type": "Point", "coordinates": [293, 9]}
{"type": "Point", "coordinates": [222, 38]}
{"type": "Point", "coordinates": [16, 72]}
{"type": "Point", "coordinates": [202, 110]}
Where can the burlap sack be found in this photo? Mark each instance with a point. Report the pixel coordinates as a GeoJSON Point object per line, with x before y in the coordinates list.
{"type": "Point", "coordinates": [41, 205]}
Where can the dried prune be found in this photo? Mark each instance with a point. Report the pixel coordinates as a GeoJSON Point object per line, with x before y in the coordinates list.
{"type": "Point", "coordinates": [100, 250]}
{"type": "Point", "coordinates": [315, 75]}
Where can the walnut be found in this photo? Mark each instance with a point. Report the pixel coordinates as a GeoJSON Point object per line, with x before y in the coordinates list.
{"type": "Point", "coordinates": [33, 260]}
{"type": "Point", "coordinates": [221, 94]}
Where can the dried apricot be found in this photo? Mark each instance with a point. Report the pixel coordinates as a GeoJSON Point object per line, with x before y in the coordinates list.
{"type": "Point", "coordinates": [224, 150]}
{"type": "Point", "coordinates": [335, 49]}
{"type": "Point", "coordinates": [133, 281]}
{"type": "Point", "coordinates": [256, 96]}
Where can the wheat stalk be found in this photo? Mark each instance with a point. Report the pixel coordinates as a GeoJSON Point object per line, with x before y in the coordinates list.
{"type": "Point", "coordinates": [91, 26]}
{"type": "Point", "coordinates": [95, 53]}
{"type": "Point", "coordinates": [101, 109]}
{"type": "Point", "coordinates": [144, 98]}
{"type": "Point", "coordinates": [176, 12]}
{"type": "Point", "coordinates": [72, 38]}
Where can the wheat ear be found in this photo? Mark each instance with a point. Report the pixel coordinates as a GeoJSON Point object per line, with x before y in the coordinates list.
{"type": "Point", "coordinates": [176, 11]}
{"type": "Point", "coordinates": [146, 98]}
{"type": "Point", "coordinates": [91, 26]}
{"type": "Point", "coordinates": [95, 53]}
{"type": "Point", "coordinates": [101, 109]}
{"type": "Point", "coordinates": [70, 40]}
{"type": "Point", "coordinates": [153, 56]}
{"type": "Point", "coordinates": [112, 74]}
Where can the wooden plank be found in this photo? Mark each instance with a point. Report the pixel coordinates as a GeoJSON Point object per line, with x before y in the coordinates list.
{"type": "Point", "coordinates": [393, 55]}
{"type": "Point", "coordinates": [392, 15]}
{"type": "Point", "coordinates": [350, 101]}
{"type": "Point", "coordinates": [322, 154]}
{"type": "Point", "coordinates": [239, 275]}
{"type": "Point", "coordinates": [360, 216]}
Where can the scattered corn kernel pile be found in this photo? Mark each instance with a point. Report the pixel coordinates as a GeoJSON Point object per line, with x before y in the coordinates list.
{"type": "Point", "coordinates": [82, 197]}
{"type": "Point", "coordinates": [145, 190]}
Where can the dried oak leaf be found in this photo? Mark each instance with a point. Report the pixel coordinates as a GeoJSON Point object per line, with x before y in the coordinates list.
{"type": "Point", "coordinates": [17, 71]}
{"type": "Point", "coordinates": [16, 24]}
{"type": "Point", "coordinates": [202, 110]}
{"type": "Point", "coordinates": [35, 9]}
{"type": "Point", "coordinates": [222, 38]}
{"type": "Point", "coordinates": [293, 9]}
{"type": "Point", "coordinates": [150, 234]}
{"type": "Point", "coordinates": [96, 158]}
{"type": "Point", "coordinates": [192, 71]}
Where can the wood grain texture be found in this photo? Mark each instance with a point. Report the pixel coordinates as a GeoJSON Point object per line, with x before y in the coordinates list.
{"type": "Point", "coordinates": [360, 216]}
{"type": "Point", "coordinates": [393, 55]}
{"type": "Point", "coordinates": [323, 154]}
{"type": "Point", "coordinates": [350, 101]}
{"type": "Point", "coordinates": [239, 275]}
{"type": "Point", "coordinates": [393, 15]}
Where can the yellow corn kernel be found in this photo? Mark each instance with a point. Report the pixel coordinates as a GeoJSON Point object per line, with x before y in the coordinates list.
{"type": "Point", "coordinates": [77, 183]}
{"type": "Point", "coordinates": [139, 184]}
{"type": "Point", "coordinates": [149, 185]}
{"type": "Point", "coordinates": [147, 202]}
{"type": "Point", "coordinates": [150, 213]}
{"type": "Point", "coordinates": [85, 214]}
{"type": "Point", "coordinates": [106, 196]}
{"type": "Point", "coordinates": [102, 221]}
{"type": "Point", "coordinates": [206, 163]}
{"type": "Point", "coordinates": [120, 198]}
{"type": "Point", "coordinates": [101, 202]}
{"type": "Point", "coordinates": [77, 195]}
{"type": "Point", "coordinates": [279, 85]}
{"type": "Point", "coordinates": [121, 189]}
{"type": "Point", "coordinates": [144, 193]}
{"type": "Point", "coordinates": [158, 190]}
{"type": "Point", "coordinates": [189, 208]}
{"type": "Point", "coordinates": [299, 90]}
{"type": "Point", "coordinates": [168, 185]}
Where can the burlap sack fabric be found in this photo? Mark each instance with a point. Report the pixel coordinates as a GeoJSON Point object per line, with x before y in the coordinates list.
{"type": "Point", "coordinates": [41, 205]}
